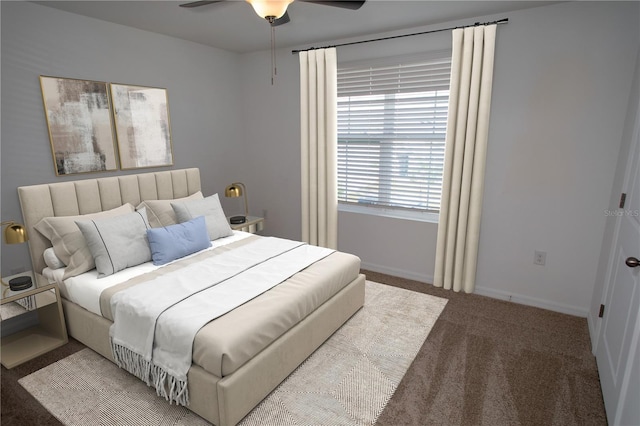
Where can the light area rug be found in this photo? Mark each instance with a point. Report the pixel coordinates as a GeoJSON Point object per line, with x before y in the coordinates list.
{"type": "Point", "coordinates": [347, 381]}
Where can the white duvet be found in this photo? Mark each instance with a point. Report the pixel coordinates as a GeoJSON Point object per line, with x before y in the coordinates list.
{"type": "Point", "coordinates": [155, 321]}
{"type": "Point", "coordinates": [85, 289]}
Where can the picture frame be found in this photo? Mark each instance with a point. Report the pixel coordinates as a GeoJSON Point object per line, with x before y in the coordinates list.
{"type": "Point", "coordinates": [78, 116]}
{"type": "Point", "coordinates": [143, 127]}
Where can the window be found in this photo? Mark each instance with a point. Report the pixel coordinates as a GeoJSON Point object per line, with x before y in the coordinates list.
{"type": "Point", "coordinates": [392, 121]}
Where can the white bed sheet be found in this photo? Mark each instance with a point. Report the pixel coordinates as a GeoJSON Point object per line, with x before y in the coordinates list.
{"type": "Point", "coordinates": [85, 289]}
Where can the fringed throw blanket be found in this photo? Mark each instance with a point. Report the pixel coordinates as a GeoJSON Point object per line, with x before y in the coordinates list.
{"type": "Point", "coordinates": [155, 321]}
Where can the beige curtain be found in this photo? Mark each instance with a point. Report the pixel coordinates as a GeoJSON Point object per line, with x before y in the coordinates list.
{"type": "Point", "coordinates": [465, 154]}
{"type": "Point", "coordinates": [319, 139]}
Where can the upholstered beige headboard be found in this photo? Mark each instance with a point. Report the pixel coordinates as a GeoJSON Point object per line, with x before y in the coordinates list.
{"type": "Point", "coordinates": [95, 195]}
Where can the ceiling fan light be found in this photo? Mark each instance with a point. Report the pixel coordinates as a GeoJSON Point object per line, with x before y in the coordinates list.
{"type": "Point", "coordinates": [268, 8]}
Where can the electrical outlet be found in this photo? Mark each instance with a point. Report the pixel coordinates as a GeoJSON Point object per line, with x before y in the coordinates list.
{"type": "Point", "coordinates": [539, 257]}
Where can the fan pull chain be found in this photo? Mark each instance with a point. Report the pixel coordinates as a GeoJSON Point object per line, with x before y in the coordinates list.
{"type": "Point", "coordinates": [274, 69]}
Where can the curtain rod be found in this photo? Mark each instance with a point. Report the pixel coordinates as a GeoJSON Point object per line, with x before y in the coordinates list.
{"type": "Point", "coordinates": [500, 21]}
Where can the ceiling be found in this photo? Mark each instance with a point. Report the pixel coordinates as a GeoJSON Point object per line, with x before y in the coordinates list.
{"type": "Point", "coordinates": [232, 25]}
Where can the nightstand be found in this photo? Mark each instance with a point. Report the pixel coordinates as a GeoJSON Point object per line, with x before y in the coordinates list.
{"type": "Point", "coordinates": [49, 333]}
{"type": "Point", "coordinates": [253, 224]}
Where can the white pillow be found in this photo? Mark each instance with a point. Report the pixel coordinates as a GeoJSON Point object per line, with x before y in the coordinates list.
{"type": "Point", "coordinates": [68, 242]}
{"type": "Point", "coordinates": [210, 208]}
{"type": "Point", "coordinates": [117, 243]}
{"type": "Point", "coordinates": [160, 213]}
{"type": "Point", "coordinates": [51, 260]}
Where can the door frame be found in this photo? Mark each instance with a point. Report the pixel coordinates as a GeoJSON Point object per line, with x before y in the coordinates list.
{"type": "Point", "coordinates": [634, 331]}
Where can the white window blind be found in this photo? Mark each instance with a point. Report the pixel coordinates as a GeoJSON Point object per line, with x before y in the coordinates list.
{"type": "Point", "coordinates": [392, 122]}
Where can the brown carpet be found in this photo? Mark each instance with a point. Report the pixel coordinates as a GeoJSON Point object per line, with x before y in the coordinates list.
{"type": "Point", "coordinates": [485, 362]}
{"type": "Point", "coordinates": [491, 362]}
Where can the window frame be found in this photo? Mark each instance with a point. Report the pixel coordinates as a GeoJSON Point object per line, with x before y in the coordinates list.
{"type": "Point", "coordinates": [381, 210]}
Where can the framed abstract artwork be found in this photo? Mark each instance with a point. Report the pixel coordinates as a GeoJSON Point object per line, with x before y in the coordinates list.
{"type": "Point", "coordinates": [78, 115]}
{"type": "Point", "coordinates": [143, 129]}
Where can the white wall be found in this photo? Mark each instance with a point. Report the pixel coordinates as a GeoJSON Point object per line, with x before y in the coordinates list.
{"type": "Point", "coordinates": [561, 86]}
{"type": "Point", "coordinates": [555, 135]}
{"type": "Point", "coordinates": [201, 83]}
{"type": "Point", "coordinates": [270, 141]}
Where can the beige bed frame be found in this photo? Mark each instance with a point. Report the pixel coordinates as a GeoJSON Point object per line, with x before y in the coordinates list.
{"type": "Point", "coordinates": [222, 401]}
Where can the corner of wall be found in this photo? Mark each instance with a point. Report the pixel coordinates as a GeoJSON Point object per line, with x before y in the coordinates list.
{"type": "Point", "coordinates": [550, 305]}
{"type": "Point", "coordinates": [594, 330]}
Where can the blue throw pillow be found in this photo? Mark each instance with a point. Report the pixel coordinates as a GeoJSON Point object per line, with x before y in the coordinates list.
{"type": "Point", "coordinates": [176, 241]}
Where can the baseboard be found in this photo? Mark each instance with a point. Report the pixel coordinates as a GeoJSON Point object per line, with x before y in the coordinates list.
{"type": "Point", "coordinates": [484, 291]}
{"type": "Point", "coordinates": [532, 301]}
{"type": "Point", "coordinates": [401, 273]}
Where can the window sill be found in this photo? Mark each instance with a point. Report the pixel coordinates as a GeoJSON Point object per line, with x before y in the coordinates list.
{"type": "Point", "coordinates": [392, 213]}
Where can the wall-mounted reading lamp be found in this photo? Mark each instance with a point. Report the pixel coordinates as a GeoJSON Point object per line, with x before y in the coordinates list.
{"type": "Point", "coordinates": [237, 189]}
{"type": "Point", "coordinates": [14, 233]}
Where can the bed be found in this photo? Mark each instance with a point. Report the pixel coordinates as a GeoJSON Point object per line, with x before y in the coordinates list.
{"type": "Point", "coordinates": [238, 358]}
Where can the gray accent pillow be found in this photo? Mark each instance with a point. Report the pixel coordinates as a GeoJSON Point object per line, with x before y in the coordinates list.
{"type": "Point", "coordinates": [117, 243]}
{"type": "Point", "coordinates": [210, 208]}
{"type": "Point", "coordinates": [67, 240]}
{"type": "Point", "coordinates": [160, 213]}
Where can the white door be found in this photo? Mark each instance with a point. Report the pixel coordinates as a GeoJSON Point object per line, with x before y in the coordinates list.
{"type": "Point", "coordinates": [617, 351]}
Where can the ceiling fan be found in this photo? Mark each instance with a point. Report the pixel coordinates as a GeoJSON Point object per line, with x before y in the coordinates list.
{"type": "Point", "coordinates": [275, 11]}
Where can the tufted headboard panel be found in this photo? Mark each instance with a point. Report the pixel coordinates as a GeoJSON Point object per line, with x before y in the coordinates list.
{"type": "Point", "coordinates": [95, 195]}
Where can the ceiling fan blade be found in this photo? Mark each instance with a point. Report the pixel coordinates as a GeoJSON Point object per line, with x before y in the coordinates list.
{"type": "Point", "coordinates": [199, 3]}
{"type": "Point", "coordinates": [347, 4]}
{"type": "Point", "coordinates": [281, 20]}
